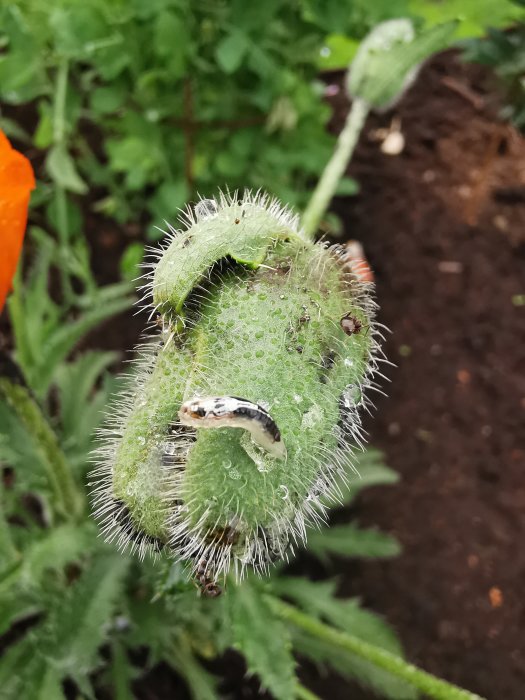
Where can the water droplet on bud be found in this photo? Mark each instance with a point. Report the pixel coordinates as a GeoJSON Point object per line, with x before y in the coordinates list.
{"type": "Point", "coordinates": [205, 209]}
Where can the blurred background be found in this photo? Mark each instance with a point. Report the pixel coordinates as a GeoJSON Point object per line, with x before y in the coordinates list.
{"type": "Point", "coordinates": [129, 110]}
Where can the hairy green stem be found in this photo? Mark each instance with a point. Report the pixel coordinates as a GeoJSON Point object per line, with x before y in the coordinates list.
{"type": "Point", "coordinates": [335, 167]}
{"type": "Point", "coordinates": [69, 501]}
{"type": "Point", "coordinates": [423, 681]}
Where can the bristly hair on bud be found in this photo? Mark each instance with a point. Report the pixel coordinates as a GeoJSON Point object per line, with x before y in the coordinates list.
{"type": "Point", "coordinates": [237, 425]}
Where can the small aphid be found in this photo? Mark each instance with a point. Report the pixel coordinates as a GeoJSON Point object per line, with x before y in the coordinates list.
{"type": "Point", "coordinates": [233, 412]}
{"type": "Point", "coordinates": [350, 324]}
{"type": "Point", "coordinates": [237, 221]}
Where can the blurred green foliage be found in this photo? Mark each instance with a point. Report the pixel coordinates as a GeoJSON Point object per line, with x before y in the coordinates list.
{"type": "Point", "coordinates": [140, 105]}
{"type": "Point", "coordinates": [504, 51]}
{"type": "Point", "coordinates": [145, 103]}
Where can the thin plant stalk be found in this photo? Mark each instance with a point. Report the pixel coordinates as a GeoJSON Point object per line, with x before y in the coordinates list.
{"type": "Point", "coordinates": [335, 167]}
{"type": "Point", "coordinates": [425, 682]}
{"type": "Point", "coordinates": [59, 137]}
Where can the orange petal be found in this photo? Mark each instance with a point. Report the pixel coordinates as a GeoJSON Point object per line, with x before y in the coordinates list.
{"type": "Point", "coordinates": [16, 182]}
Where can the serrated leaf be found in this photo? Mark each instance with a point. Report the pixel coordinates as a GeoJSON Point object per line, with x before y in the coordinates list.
{"type": "Point", "coordinates": [63, 340]}
{"type": "Point", "coordinates": [317, 599]}
{"type": "Point", "coordinates": [367, 674]}
{"type": "Point", "coordinates": [76, 383]}
{"type": "Point", "coordinates": [77, 625]}
{"type": "Point", "coordinates": [25, 674]}
{"type": "Point", "coordinates": [48, 687]}
{"type": "Point", "coordinates": [263, 639]}
{"type": "Point", "coordinates": [16, 605]}
{"type": "Point", "coordinates": [62, 169]}
{"type": "Point", "coordinates": [351, 541]}
{"type": "Point", "coordinates": [16, 660]}
{"type": "Point", "coordinates": [61, 545]}
{"type": "Point", "coordinates": [372, 472]}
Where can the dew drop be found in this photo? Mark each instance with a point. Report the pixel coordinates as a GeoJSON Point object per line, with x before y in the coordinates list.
{"type": "Point", "coordinates": [205, 209]}
{"type": "Point", "coordinates": [282, 492]}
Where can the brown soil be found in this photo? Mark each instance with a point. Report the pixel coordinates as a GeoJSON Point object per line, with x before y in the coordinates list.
{"type": "Point", "coordinates": [443, 225]}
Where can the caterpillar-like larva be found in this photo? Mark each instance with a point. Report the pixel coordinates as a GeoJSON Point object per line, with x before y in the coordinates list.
{"type": "Point", "coordinates": [230, 411]}
{"type": "Point", "coordinates": [248, 307]}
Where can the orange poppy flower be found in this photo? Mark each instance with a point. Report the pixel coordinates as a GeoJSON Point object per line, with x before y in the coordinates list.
{"type": "Point", "coordinates": [16, 182]}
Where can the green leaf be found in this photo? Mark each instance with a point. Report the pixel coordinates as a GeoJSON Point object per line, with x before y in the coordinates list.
{"type": "Point", "coordinates": [62, 169]}
{"type": "Point", "coordinates": [13, 130]}
{"type": "Point", "coordinates": [372, 472]}
{"type": "Point", "coordinates": [131, 260]}
{"type": "Point", "coordinates": [201, 683]}
{"type": "Point", "coordinates": [63, 340]}
{"type": "Point", "coordinates": [43, 136]}
{"type": "Point", "coordinates": [347, 187]}
{"type": "Point", "coordinates": [475, 15]}
{"type": "Point", "coordinates": [317, 599]}
{"type": "Point", "coordinates": [388, 58]}
{"type": "Point", "coordinates": [76, 383]}
{"type": "Point", "coordinates": [366, 673]}
{"type": "Point", "coordinates": [171, 38]}
{"type": "Point", "coordinates": [262, 639]}
{"type": "Point", "coordinates": [231, 51]}
{"type": "Point", "coordinates": [60, 546]}
{"type": "Point", "coordinates": [351, 541]}
{"type": "Point", "coordinates": [77, 625]}
{"type": "Point", "coordinates": [67, 498]}
{"type": "Point", "coordinates": [105, 100]}
{"type": "Point", "coordinates": [337, 52]}
{"type": "Point", "coordinates": [15, 605]}
{"type": "Point", "coordinates": [122, 673]}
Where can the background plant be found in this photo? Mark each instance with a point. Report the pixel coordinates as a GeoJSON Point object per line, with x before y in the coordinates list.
{"type": "Point", "coordinates": [504, 51]}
